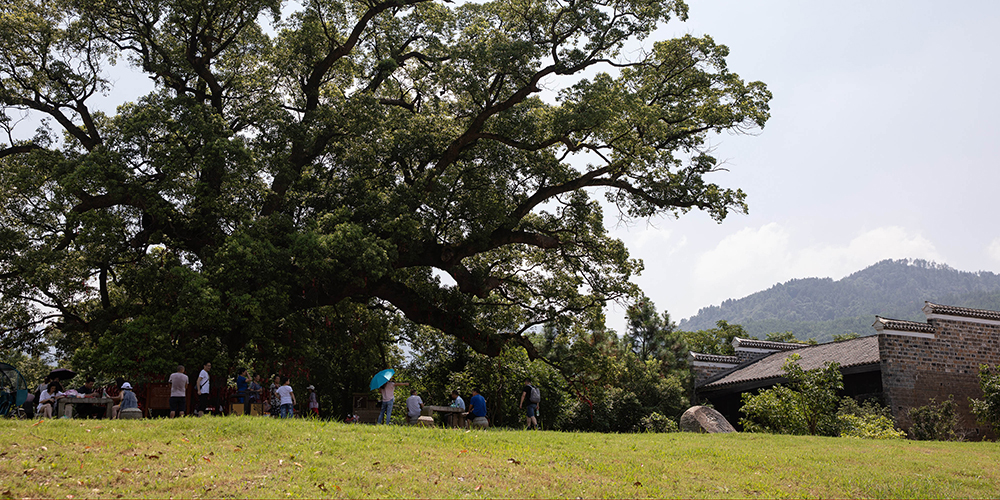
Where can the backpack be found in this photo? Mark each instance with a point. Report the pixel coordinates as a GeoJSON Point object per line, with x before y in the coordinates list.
{"type": "Point", "coordinates": [535, 396]}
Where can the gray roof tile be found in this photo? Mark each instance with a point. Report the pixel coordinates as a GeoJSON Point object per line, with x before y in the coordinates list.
{"type": "Point", "coordinates": [854, 352]}
{"type": "Point", "coordinates": [931, 308]}
{"type": "Point", "coordinates": [765, 344]}
{"type": "Point", "coordinates": [714, 358]}
{"type": "Point", "coordinates": [901, 325]}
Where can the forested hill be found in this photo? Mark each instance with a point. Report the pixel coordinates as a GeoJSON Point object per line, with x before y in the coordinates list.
{"type": "Point", "coordinates": [821, 307]}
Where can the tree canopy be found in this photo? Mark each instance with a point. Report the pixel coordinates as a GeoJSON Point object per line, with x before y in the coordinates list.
{"type": "Point", "coordinates": [413, 158]}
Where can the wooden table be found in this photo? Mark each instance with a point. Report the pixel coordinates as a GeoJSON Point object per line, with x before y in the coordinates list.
{"type": "Point", "coordinates": [72, 401]}
{"type": "Point", "coordinates": [430, 409]}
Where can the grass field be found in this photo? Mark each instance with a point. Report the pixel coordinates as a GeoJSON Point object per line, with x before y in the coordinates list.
{"type": "Point", "coordinates": [253, 457]}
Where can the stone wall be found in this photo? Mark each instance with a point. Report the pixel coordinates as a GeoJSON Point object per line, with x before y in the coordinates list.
{"type": "Point", "coordinates": [916, 369]}
{"type": "Point", "coordinates": [705, 371]}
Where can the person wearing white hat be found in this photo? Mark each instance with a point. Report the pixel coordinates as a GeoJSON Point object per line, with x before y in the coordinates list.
{"type": "Point", "coordinates": [128, 400]}
{"type": "Point", "coordinates": [313, 401]}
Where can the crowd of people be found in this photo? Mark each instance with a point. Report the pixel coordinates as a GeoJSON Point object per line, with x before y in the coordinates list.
{"type": "Point", "coordinates": [51, 391]}
{"type": "Point", "coordinates": [276, 399]}
{"type": "Point", "coordinates": [473, 415]}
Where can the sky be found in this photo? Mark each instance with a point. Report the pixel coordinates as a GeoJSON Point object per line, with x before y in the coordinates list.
{"type": "Point", "coordinates": [883, 143]}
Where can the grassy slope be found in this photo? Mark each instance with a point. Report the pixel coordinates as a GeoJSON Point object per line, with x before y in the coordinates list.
{"type": "Point", "coordinates": [258, 457]}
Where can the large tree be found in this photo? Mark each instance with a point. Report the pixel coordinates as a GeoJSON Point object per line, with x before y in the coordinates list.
{"type": "Point", "coordinates": [414, 157]}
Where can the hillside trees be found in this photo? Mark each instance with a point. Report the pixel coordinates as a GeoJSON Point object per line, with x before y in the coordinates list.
{"type": "Point", "coordinates": [430, 161]}
{"type": "Point", "coordinates": [718, 340]}
{"type": "Point", "coordinates": [652, 336]}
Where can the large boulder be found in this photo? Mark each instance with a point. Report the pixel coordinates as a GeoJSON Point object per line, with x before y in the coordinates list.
{"type": "Point", "coordinates": [704, 419]}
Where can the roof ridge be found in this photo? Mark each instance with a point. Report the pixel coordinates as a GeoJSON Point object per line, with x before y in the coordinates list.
{"type": "Point", "coordinates": [901, 325]}
{"type": "Point", "coordinates": [931, 308]}
{"type": "Point", "coordinates": [766, 344]}
{"type": "Point", "coordinates": [720, 358]}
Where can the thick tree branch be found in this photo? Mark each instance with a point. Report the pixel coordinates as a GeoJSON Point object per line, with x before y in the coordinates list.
{"type": "Point", "coordinates": [425, 312]}
{"type": "Point", "coordinates": [19, 149]}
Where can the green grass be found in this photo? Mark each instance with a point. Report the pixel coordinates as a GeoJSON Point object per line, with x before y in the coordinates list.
{"type": "Point", "coordinates": [241, 457]}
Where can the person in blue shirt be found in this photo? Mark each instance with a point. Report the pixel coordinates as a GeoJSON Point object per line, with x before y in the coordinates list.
{"type": "Point", "coordinates": [128, 401]}
{"type": "Point", "coordinates": [456, 402]}
{"type": "Point", "coordinates": [477, 409]}
{"type": "Point", "coordinates": [242, 386]}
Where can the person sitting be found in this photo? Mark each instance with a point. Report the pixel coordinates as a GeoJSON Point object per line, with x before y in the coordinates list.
{"type": "Point", "coordinates": [128, 401]}
{"type": "Point", "coordinates": [477, 411]}
{"type": "Point", "coordinates": [47, 400]}
{"type": "Point", "coordinates": [456, 402]}
{"type": "Point", "coordinates": [89, 410]}
{"type": "Point", "coordinates": [414, 404]}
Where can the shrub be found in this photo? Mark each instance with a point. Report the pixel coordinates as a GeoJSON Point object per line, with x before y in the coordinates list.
{"type": "Point", "coordinates": [807, 405]}
{"type": "Point", "coordinates": [654, 422]}
{"type": "Point", "coordinates": [935, 421]}
{"type": "Point", "coordinates": [987, 410]}
{"type": "Point", "coordinates": [777, 410]}
{"type": "Point", "coordinates": [868, 421]}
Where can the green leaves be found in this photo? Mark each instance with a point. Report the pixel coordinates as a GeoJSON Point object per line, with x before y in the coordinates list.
{"type": "Point", "coordinates": [806, 405]}
{"type": "Point", "coordinates": [987, 409]}
{"type": "Point", "coordinates": [400, 156]}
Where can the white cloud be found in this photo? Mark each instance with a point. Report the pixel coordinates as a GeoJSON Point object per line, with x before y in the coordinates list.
{"type": "Point", "coordinates": [651, 240]}
{"type": "Point", "coordinates": [994, 249]}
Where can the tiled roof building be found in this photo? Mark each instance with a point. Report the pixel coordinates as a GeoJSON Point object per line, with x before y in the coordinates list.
{"type": "Point", "coordinates": [904, 365]}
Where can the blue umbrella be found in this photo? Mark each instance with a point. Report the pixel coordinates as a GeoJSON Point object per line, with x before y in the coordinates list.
{"type": "Point", "coordinates": [381, 378]}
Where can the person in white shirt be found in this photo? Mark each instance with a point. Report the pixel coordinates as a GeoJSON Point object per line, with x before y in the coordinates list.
{"type": "Point", "coordinates": [388, 392]}
{"type": "Point", "coordinates": [203, 388]}
{"type": "Point", "coordinates": [178, 392]}
{"type": "Point", "coordinates": [413, 406]}
{"type": "Point", "coordinates": [287, 399]}
{"type": "Point", "coordinates": [47, 400]}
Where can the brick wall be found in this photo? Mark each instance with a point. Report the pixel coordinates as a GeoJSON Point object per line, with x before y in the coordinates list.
{"type": "Point", "coordinates": [703, 373]}
{"type": "Point", "coordinates": [915, 369]}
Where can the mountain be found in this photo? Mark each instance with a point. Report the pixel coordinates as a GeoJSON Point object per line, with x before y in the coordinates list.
{"type": "Point", "coordinates": [821, 307]}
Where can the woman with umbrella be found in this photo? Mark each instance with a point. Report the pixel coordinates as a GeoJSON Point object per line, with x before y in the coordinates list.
{"type": "Point", "coordinates": [386, 388]}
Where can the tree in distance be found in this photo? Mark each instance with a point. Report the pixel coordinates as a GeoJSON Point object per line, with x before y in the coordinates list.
{"type": "Point", "coordinates": [300, 165]}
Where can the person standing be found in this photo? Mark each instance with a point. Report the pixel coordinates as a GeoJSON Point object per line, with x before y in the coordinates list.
{"type": "Point", "coordinates": [255, 390]}
{"type": "Point", "coordinates": [286, 398]}
{"type": "Point", "coordinates": [456, 402]}
{"type": "Point", "coordinates": [203, 388]}
{"type": "Point", "coordinates": [388, 392]}
{"type": "Point", "coordinates": [313, 401]}
{"type": "Point", "coordinates": [242, 385]}
{"type": "Point", "coordinates": [534, 396]}
{"type": "Point", "coordinates": [178, 392]}
{"type": "Point", "coordinates": [273, 399]}
{"type": "Point", "coordinates": [413, 406]}
{"type": "Point", "coordinates": [477, 410]}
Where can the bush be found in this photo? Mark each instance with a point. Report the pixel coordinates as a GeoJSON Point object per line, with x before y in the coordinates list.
{"type": "Point", "coordinates": [987, 410]}
{"type": "Point", "coordinates": [777, 410]}
{"type": "Point", "coordinates": [807, 405]}
{"type": "Point", "coordinates": [868, 421]}
{"type": "Point", "coordinates": [935, 421]}
{"type": "Point", "coordinates": [654, 422]}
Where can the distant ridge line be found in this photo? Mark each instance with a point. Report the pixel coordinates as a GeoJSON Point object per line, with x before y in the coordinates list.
{"type": "Point", "coordinates": [820, 308]}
